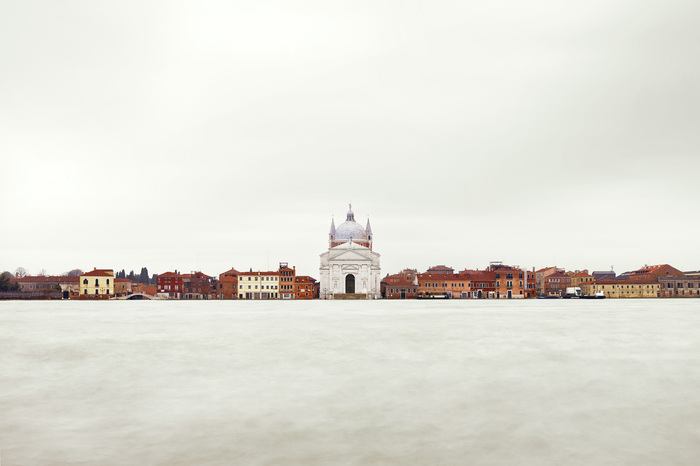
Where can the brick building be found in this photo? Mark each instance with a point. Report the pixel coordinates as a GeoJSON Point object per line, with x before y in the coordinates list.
{"type": "Point", "coordinates": [555, 284]}
{"type": "Point", "coordinates": [540, 276]}
{"type": "Point", "coordinates": [304, 287]}
{"type": "Point", "coordinates": [227, 287]}
{"type": "Point", "coordinates": [123, 286]}
{"type": "Point", "coordinates": [287, 282]}
{"type": "Point", "coordinates": [403, 285]}
{"type": "Point", "coordinates": [169, 285]}
{"type": "Point", "coordinates": [198, 285]}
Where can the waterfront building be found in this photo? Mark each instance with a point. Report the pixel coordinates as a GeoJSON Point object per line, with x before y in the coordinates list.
{"type": "Point", "coordinates": [442, 284]}
{"type": "Point", "coordinates": [350, 268]}
{"type": "Point", "coordinates": [123, 287]}
{"type": "Point", "coordinates": [403, 285]}
{"type": "Point", "coordinates": [258, 285]}
{"type": "Point", "coordinates": [97, 283]}
{"type": "Point", "coordinates": [481, 284]}
{"type": "Point", "coordinates": [227, 287]}
{"type": "Point", "coordinates": [580, 277]}
{"type": "Point", "coordinates": [680, 286]}
{"type": "Point", "coordinates": [67, 285]}
{"type": "Point", "coordinates": [198, 285]}
{"type": "Point", "coordinates": [639, 287]}
{"type": "Point", "coordinates": [511, 282]}
{"type": "Point", "coordinates": [645, 282]}
{"type": "Point", "coordinates": [169, 285]}
{"type": "Point", "coordinates": [304, 287]}
{"type": "Point", "coordinates": [555, 284]}
{"type": "Point", "coordinates": [287, 282]}
{"type": "Point", "coordinates": [540, 276]}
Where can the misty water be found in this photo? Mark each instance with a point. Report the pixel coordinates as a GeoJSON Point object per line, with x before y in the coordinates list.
{"type": "Point", "coordinates": [474, 382]}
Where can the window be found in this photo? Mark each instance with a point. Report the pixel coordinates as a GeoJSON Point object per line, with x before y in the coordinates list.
{"type": "Point", "coordinates": [85, 282]}
{"type": "Point", "coordinates": [108, 281]}
{"type": "Point", "coordinates": [97, 282]}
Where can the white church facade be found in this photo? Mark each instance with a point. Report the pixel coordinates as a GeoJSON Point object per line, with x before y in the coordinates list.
{"type": "Point", "coordinates": [350, 268]}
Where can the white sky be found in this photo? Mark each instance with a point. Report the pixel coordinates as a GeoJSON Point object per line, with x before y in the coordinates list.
{"type": "Point", "coordinates": [206, 135]}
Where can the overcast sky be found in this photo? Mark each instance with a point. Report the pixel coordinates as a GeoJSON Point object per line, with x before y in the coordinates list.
{"type": "Point", "coordinates": [209, 135]}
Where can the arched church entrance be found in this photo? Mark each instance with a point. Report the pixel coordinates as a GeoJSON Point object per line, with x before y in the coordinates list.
{"type": "Point", "coordinates": [350, 283]}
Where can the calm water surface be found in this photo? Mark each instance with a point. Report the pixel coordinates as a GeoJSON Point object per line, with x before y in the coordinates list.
{"type": "Point", "coordinates": [538, 382]}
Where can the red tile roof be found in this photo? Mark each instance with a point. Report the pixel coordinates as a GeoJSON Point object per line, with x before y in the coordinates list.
{"type": "Point", "coordinates": [440, 268]}
{"type": "Point", "coordinates": [99, 273]}
{"type": "Point", "coordinates": [304, 279]}
{"type": "Point", "coordinates": [45, 279]}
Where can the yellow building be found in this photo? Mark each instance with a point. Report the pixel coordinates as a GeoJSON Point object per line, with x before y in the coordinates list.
{"type": "Point", "coordinates": [98, 282]}
{"type": "Point", "coordinates": [578, 278]}
{"type": "Point", "coordinates": [623, 288]}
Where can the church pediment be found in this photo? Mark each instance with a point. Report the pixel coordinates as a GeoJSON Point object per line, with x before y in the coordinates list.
{"type": "Point", "coordinates": [351, 256]}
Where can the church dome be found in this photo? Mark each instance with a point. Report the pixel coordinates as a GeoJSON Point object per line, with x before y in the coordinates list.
{"type": "Point", "coordinates": [350, 229]}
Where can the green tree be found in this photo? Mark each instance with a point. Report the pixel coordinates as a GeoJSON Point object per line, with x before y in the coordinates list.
{"type": "Point", "coordinates": [6, 284]}
{"type": "Point", "coordinates": [144, 277]}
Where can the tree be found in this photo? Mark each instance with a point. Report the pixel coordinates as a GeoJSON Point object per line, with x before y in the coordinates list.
{"type": "Point", "coordinates": [9, 274]}
{"type": "Point", "coordinates": [143, 277]}
{"type": "Point", "coordinates": [21, 272]}
{"type": "Point", "coordinates": [42, 273]}
{"type": "Point", "coordinates": [74, 273]}
{"type": "Point", "coordinates": [131, 276]}
{"type": "Point", "coordinates": [154, 279]}
{"type": "Point", "coordinates": [6, 284]}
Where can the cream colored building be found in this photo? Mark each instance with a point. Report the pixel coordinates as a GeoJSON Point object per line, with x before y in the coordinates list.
{"type": "Point", "coordinates": [98, 282]}
{"type": "Point", "coordinates": [623, 289]}
{"type": "Point", "coordinates": [258, 285]}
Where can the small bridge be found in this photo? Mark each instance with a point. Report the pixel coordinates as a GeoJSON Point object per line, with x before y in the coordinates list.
{"type": "Point", "coordinates": [136, 296]}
